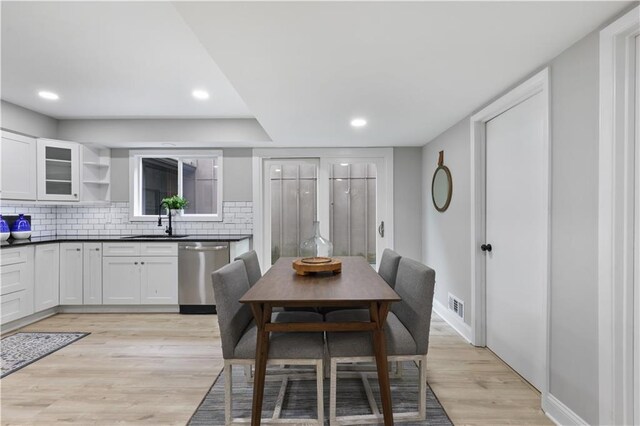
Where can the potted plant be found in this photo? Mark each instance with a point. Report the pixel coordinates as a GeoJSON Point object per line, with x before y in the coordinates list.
{"type": "Point", "coordinates": [174, 203]}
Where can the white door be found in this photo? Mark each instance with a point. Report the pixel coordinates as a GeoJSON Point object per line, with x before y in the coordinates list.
{"type": "Point", "coordinates": [159, 280]}
{"type": "Point", "coordinates": [47, 267]}
{"type": "Point", "coordinates": [121, 280]}
{"type": "Point", "coordinates": [18, 167]}
{"type": "Point", "coordinates": [516, 230]}
{"type": "Point", "coordinates": [71, 258]}
{"type": "Point", "coordinates": [346, 194]}
{"type": "Point", "coordinates": [92, 274]}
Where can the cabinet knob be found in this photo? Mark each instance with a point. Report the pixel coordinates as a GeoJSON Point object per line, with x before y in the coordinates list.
{"type": "Point", "coordinates": [78, 249]}
{"type": "Point", "coordinates": [135, 263]}
{"type": "Point", "coordinates": [97, 249]}
{"type": "Point", "coordinates": [142, 263]}
{"type": "Point", "coordinates": [75, 195]}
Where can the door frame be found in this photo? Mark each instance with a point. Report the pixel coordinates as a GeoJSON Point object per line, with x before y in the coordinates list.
{"type": "Point", "coordinates": [260, 155]}
{"type": "Point", "coordinates": [538, 84]}
{"type": "Point", "coordinates": [616, 222]}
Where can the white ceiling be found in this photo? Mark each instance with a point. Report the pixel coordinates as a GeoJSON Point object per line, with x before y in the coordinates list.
{"type": "Point", "coordinates": [303, 69]}
{"type": "Point", "coordinates": [106, 59]}
{"type": "Point", "coordinates": [412, 69]}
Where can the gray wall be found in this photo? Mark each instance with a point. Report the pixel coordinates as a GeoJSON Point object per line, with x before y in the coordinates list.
{"type": "Point", "coordinates": [446, 235]}
{"type": "Point", "coordinates": [21, 120]}
{"type": "Point", "coordinates": [407, 201]}
{"type": "Point", "coordinates": [237, 174]}
{"type": "Point", "coordinates": [574, 224]}
{"type": "Point", "coordinates": [142, 132]}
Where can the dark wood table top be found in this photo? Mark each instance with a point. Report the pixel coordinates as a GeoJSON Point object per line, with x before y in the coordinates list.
{"type": "Point", "coordinates": [358, 283]}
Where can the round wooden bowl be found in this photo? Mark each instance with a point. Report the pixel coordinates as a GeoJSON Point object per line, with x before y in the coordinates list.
{"type": "Point", "coordinates": [304, 268]}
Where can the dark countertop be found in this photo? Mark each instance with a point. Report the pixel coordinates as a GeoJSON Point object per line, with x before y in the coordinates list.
{"type": "Point", "coordinates": [107, 238]}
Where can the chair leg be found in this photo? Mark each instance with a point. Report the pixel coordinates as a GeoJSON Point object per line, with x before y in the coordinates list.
{"type": "Point", "coordinates": [422, 403]}
{"type": "Point", "coordinates": [320, 390]}
{"type": "Point", "coordinates": [332, 391]}
{"type": "Point", "coordinates": [228, 393]}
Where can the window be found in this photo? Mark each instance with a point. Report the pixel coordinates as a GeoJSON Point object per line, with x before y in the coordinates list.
{"type": "Point", "coordinates": [195, 175]}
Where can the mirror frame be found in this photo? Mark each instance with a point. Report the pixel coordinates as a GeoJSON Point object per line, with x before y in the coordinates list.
{"type": "Point", "coordinates": [441, 166]}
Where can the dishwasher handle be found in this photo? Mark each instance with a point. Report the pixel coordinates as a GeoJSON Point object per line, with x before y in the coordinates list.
{"type": "Point", "coordinates": [205, 248]}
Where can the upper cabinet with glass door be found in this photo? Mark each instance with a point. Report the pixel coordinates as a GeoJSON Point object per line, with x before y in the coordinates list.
{"type": "Point", "coordinates": [58, 170]}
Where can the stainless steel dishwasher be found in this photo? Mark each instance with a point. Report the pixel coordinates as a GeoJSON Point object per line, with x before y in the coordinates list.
{"type": "Point", "coordinates": [196, 262]}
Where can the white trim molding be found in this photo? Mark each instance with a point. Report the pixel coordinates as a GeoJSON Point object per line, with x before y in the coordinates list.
{"type": "Point", "coordinates": [559, 413]}
{"type": "Point", "coordinates": [615, 219]}
{"type": "Point", "coordinates": [538, 84]}
{"type": "Point", "coordinates": [453, 320]}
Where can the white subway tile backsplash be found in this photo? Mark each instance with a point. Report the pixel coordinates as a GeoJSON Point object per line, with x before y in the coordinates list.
{"type": "Point", "coordinates": [113, 219]}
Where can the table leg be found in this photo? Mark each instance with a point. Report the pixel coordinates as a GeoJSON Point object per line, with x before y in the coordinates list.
{"type": "Point", "coordinates": [262, 316]}
{"type": "Point", "coordinates": [378, 313]}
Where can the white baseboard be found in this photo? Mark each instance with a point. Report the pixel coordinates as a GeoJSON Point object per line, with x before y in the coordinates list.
{"type": "Point", "coordinates": [23, 322]}
{"type": "Point", "coordinates": [453, 320]}
{"type": "Point", "coordinates": [559, 413]}
{"type": "Point", "coordinates": [118, 309]}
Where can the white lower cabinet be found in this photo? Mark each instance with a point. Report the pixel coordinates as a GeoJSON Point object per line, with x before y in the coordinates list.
{"type": "Point", "coordinates": [159, 280]}
{"type": "Point", "coordinates": [133, 280]}
{"type": "Point", "coordinates": [92, 273]}
{"type": "Point", "coordinates": [47, 284]}
{"type": "Point", "coordinates": [16, 283]}
{"type": "Point", "coordinates": [71, 274]}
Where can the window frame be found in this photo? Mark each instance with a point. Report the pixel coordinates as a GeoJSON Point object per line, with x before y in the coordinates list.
{"type": "Point", "coordinates": [135, 190]}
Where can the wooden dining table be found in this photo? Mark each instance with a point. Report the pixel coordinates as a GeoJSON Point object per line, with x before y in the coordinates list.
{"type": "Point", "coordinates": [357, 286]}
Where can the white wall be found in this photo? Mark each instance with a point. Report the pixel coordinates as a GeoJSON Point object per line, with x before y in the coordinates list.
{"type": "Point", "coordinates": [574, 224]}
{"type": "Point", "coordinates": [21, 120]}
{"type": "Point", "coordinates": [407, 201]}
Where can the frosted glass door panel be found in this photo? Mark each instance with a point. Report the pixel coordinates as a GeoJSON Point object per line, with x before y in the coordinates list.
{"type": "Point", "coordinates": [293, 192]}
{"type": "Point", "coordinates": [352, 193]}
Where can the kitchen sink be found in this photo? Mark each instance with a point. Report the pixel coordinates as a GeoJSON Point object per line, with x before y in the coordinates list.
{"type": "Point", "coordinates": [154, 237]}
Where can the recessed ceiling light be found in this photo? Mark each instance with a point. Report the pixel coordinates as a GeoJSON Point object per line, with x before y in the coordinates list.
{"type": "Point", "coordinates": [44, 94]}
{"type": "Point", "coordinates": [200, 94]}
{"type": "Point", "coordinates": [358, 122]}
{"type": "Point", "coordinates": [344, 164]}
{"type": "Point", "coordinates": [168, 144]}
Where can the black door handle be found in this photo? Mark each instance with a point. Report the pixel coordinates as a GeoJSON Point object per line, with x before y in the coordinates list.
{"type": "Point", "coordinates": [486, 247]}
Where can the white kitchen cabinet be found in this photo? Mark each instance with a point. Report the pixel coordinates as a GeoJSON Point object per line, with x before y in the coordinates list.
{"type": "Point", "coordinates": [120, 281]}
{"type": "Point", "coordinates": [16, 283]}
{"type": "Point", "coordinates": [58, 170]}
{"type": "Point", "coordinates": [129, 278]}
{"type": "Point", "coordinates": [159, 280]}
{"type": "Point", "coordinates": [71, 274]}
{"type": "Point", "coordinates": [17, 167]}
{"type": "Point", "coordinates": [92, 273]}
{"type": "Point", "coordinates": [47, 270]}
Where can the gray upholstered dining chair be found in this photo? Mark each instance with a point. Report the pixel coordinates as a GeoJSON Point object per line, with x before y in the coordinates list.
{"type": "Point", "coordinates": [238, 333]}
{"type": "Point", "coordinates": [252, 265]}
{"type": "Point", "coordinates": [388, 268]}
{"type": "Point", "coordinates": [406, 332]}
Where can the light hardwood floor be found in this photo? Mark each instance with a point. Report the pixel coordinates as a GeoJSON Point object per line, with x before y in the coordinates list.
{"type": "Point", "coordinates": [156, 368]}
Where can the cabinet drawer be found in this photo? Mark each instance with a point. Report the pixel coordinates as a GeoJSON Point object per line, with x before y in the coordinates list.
{"type": "Point", "coordinates": [121, 249]}
{"type": "Point", "coordinates": [158, 249]}
{"type": "Point", "coordinates": [15, 306]}
{"type": "Point", "coordinates": [15, 255]}
{"type": "Point", "coordinates": [15, 277]}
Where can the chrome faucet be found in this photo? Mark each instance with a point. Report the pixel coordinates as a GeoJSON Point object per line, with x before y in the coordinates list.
{"type": "Point", "coordinates": [168, 230]}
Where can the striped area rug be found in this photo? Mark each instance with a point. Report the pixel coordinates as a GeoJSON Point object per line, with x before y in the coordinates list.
{"type": "Point", "coordinates": [300, 399]}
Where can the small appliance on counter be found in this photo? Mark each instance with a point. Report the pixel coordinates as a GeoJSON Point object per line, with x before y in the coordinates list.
{"type": "Point", "coordinates": [21, 228]}
{"type": "Point", "coordinates": [5, 233]}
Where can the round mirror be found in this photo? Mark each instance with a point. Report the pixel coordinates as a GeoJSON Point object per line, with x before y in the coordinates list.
{"type": "Point", "coordinates": [441, 188]}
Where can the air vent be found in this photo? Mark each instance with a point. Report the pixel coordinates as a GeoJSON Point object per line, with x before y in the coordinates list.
{"type": "Point", "coordinates": [456, 305]}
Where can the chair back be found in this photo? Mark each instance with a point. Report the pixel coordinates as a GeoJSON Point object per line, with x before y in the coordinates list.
{"type": "Point", "coordinates": [415, 284]}
{"type": "Point", "coordinates": [388, 269]}
{"type": "Point", "coordinates": [229, 284]}
{"type": "Point", "coordinates": [252, 265]}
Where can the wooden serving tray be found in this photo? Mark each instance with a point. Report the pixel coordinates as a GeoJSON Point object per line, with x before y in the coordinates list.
{"type": "Point", "coordinates": [305, 268]}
